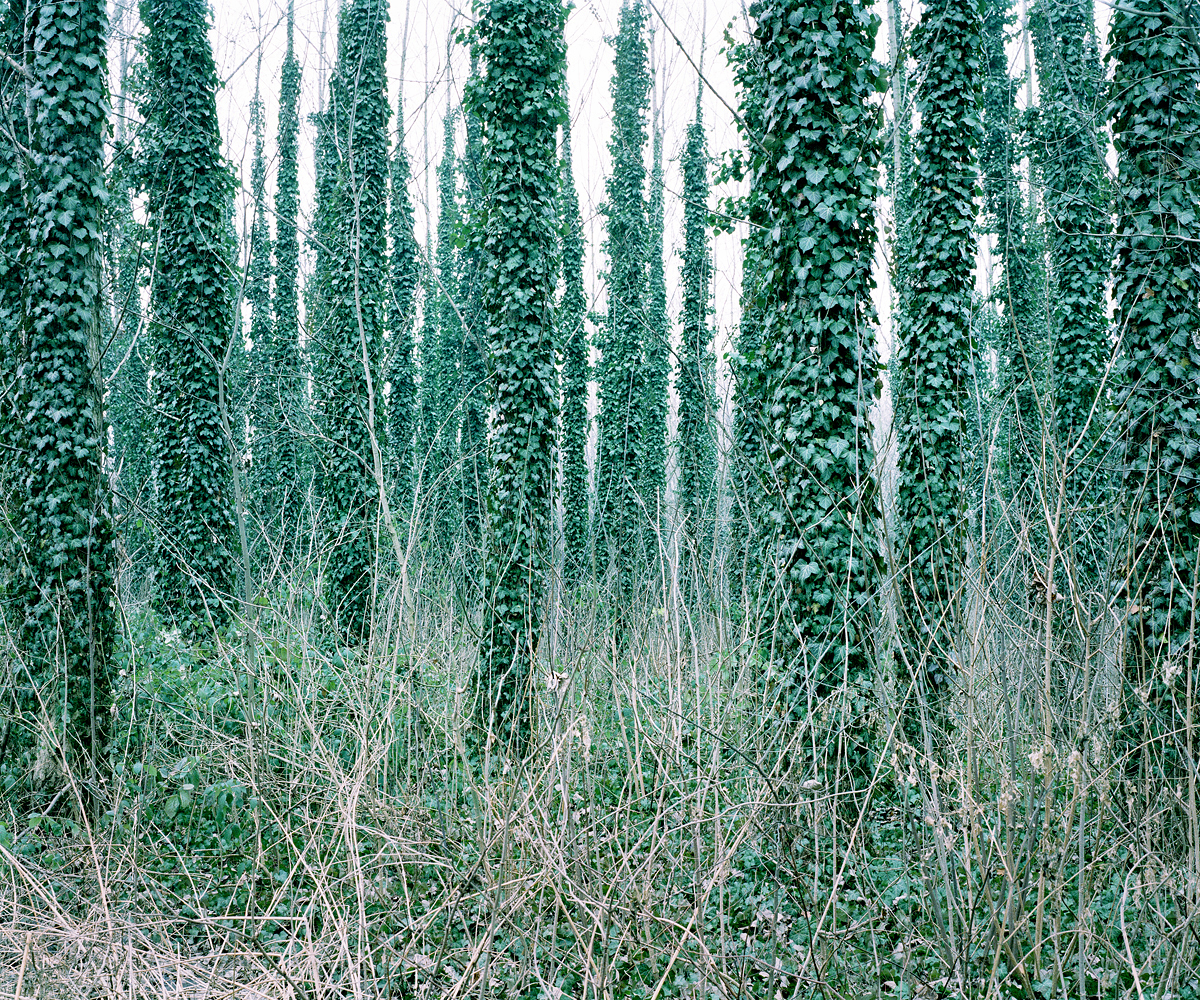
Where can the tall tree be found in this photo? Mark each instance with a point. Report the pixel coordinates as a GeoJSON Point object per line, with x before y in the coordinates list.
{"type": "Point", "coordinates": [66, 554]}
{"type": "Point", "coordinates": [350, 344]}
{"type": "Point", "coordinates": [519, 100]}
{"type": "Point", "coordinates": [815, 171]}
{"type": "Point", "coordinates": [188, 189]}
{"type": "Point", "coordinates": [405, 273]}
{"type": "Point", "coordinates": [1156, 132]}
{"type": "Point", "coordinates": [622, 378]}
{"type": "Point", "coordinates": [696, 441]}
{"type": "Point", "coordinates": [936, 351]}
{"type": "Point", "coordinates": [1069, 150]}
{"type": "Point", "coordinates": [1022, 343]}
{"type": "Point", "coordinates": [441, 359]}
{"type": "Point", "coordinates": [283, 403]}
{"type": "Point", "coordinates": [656, 363]}
{"type": "Point", "coordinates": [475, 395]}
{"type": "Point", "coordinates": [258, 295]}
{"type": "Point", "coordinates": [573, 342]}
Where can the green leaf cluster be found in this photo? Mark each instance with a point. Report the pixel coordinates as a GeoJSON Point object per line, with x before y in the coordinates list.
{"type": "Point", "coordinates": [188, 188]}
{"type": "Point", "coordinates": [936, 353]}
{"type": "Point", "coordinates": [814, 173]}
{"type": "Point", "coordinates": [518, 98]}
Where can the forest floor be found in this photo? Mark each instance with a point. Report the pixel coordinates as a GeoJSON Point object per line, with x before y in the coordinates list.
{"type": "Point", "coordinates": [670, 835]}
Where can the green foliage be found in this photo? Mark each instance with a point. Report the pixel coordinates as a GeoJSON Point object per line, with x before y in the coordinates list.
{"type": "Point", "coordinates": [936, 352]}
{"type": "Point", "coordinates": [621, 456]}
{"type": "Point", "coordinates": [573, 343]}
{"type": "Point", "coordinates": [748, 473]}
{"type": "Point", "coordinates": [815, 174]}
{"type": "Point", "coordinates": [474, 378]}
{"type": "Point", "coordinates": [126, 368]}
{"type": "Point", "coordinates": [518, 99]}
{"type": "Point", "coordinates": [656, 354]}
{"type": "Point", "coordinates": [696, 448]}
{"type": "Point", "coordinates": [441, 352]}
{"type": "Point", "coordinates": [349, 342]}
{"type": "Point", "coordinates": [1156, 131]}
{"type": "Point", "coordinates": [52, 216]}
{"type": "Point", "coordinates": [1022, 341]}
{"type": "Point", "coordinates": [1069, 150]}
{"type": "Point", "coordinates": [402, 372]}
{"type": "Point", "coordinates": [264, 416]}
{"type": "Point", "coordinates": [188, 188]}
{"type": "Point", "coordinates": [277, 454]}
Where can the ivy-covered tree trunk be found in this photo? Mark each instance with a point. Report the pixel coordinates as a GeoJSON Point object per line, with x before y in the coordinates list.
{"type": "Point", "coordinates": [1156, 131]}
{"type": "Point", "coordinates": [441, 362]}
{"type": "Point", "coordinates": [263, 414]}
{"type": "Point", "coordinates": [1022, 341]}
{"type": "Point", "coordinates": [573, 342]}
{"type": "Point", "coordinates": [277, 448]}
{"type": "Point", "coordinates": [188, 186]}
{"type": "Point", "coordinates": [936, 352]}
{"type": "Point", "coordinates": [519, 100]}
{"type": "Point", "coordinates": [1069, 150]}
{"type": "Point", "coordinates": [350, 342]}
{"type": "Point", "coordinates": [402, 371]}
{"type": "Point", "coordinates": [622, 377]}
{"type": "Point", "coordinates": [65, 579]}
{"type": "Point", "coordinates": [14, 249]}
{"type": "Point", "coordinates": [815, 172]}
{"type": "Point", "coordinates": [475, 394]}
{"type": "Point", "coordinates": [748, 474]}
{"type": "Point", "coordinates": [695, 441]}
{"type": "Point", "coordinates": [656, 361]}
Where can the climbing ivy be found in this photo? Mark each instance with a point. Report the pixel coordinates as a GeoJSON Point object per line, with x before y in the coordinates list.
{"type": "Point", "coordinates": [518, 97]}
{"type": "Point", "coordinates": [656, 367]}
{"type": "Point", "coordinates": [1022, 340]}
{"type": "Point", "coordinates": [814, 172]}
{"type": "Point", "coordinates": [1156, 131]}
{"type": "Point", "coordinates": [350, 343]}
{"type": "Point", "coordinates": [64, 579]}
{"type": "Point", "coordinates": [284, 395]}
{"type": "Point", "coordinates": [573, 343]}
{"type": "Point", "coordinates": [405, 275]}
{"type": "Point", "coordinates": [748, 473]}
{"type": "Point", "coordinates": [937, 349]}
{"type": "Point", "coordinates": [695, 441]}
{"type": "Point", "coordinates": [441, 359]}
{"type": "Point", "coordinates": [1069, 149]}
{"type": "Point", "coordinates": [475, 386]}
{"type": "Point", "coordinates": [264, 414]}
{"type": "Point", "coordinates": [622, 377]}
{"type": "Point", "coordinates": [188, 188]}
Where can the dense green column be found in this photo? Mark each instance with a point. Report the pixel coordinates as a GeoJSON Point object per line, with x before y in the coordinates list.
{"type": "Point", "coordinates": [402, 372]}
{"type": "Point", "coordinates": [65, 582]}
{"type": "Point", "coordinates": [1022, 342]}
{"type": "Point", "coordinates": [349, 381]}
{"type": "Point", "coordinates": [188, 186]}
{"type": "Point", "coordinates": [815, 172]}
{"type": "Point", "coordinates": [519, 100]}
{"type": "Point", "coordinates": [656, 367]}
{"type": "Point", "coordinates": [573, 342]}
{"type": "Point", "coordinates": [936, 350]}
{"type": "Point", "coordinates": [476, 393]}
{"type": "Point", "coordinates": [277, 448]}
{"type": "Point", "coordinates": [622, 375]}
{"type": "Point", "coordinates": [696, 442]}
{"type": "Point", "coordinates": [441, 358]}
{"type": "Point", "coordinates": [1069, 149]}
{"type": "Point", "coordinates": [1156, 131]}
